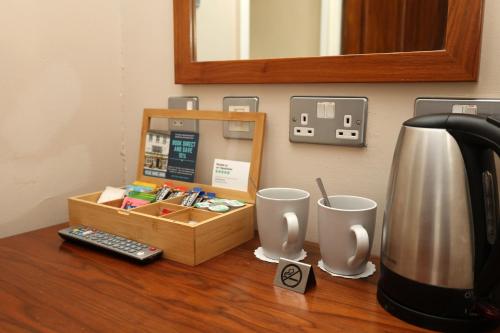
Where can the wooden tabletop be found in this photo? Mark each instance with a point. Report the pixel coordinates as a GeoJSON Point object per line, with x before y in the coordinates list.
{"type": "Point", "coordinates": [47, 285]}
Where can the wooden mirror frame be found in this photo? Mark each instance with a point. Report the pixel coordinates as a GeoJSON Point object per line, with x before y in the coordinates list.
{"type": "Point", "coordinates": [458, 61]}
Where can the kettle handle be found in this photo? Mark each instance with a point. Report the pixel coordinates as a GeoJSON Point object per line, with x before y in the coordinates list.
{"type": "Point", "coordinates": [482, 130]}
{"type": "Point", "coordinates": [479, 139]}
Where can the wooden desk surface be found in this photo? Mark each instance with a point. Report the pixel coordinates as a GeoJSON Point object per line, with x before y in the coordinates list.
{"type": "Point", "coordinates": [47, 285]}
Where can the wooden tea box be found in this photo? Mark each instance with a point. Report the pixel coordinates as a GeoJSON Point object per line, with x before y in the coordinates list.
{"type": "Point", "coordinates": [186, 235]}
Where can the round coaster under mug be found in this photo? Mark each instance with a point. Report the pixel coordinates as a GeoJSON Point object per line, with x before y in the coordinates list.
{"type": "Point", "coordinates": [259, 254]}
{"type": "Point", "coordinates": [369, 271]}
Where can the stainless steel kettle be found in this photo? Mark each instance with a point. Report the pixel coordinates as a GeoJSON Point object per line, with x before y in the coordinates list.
{"type": "Point", "coordinates": [440, 259]}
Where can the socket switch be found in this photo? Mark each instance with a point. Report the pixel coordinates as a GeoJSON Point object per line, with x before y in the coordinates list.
{"type": "Point", "coordinates": [184, 103]}
{"type": "Point", "coordinates": [239, 129]}
{"type": "Point", "coordinates": [328, 120]}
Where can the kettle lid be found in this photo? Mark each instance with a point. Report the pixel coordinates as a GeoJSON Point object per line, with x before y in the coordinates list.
{"type": "Point", "coordinates": [483, 128]}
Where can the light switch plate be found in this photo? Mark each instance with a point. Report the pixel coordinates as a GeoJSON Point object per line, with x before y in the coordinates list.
{"type": "Point", "coordinates": [239, 129]}
{"type": "Point", "coordinates": [484, 107]}
{"type": "Point", "coordinates": [184, 103]}
{"type": "Point", "coordinates": [328, 120]}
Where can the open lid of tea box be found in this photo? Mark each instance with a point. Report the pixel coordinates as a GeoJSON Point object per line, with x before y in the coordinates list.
{"type": "Point", "coordinates": [219, 152]}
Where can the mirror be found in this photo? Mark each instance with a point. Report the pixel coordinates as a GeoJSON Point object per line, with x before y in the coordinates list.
{"type": "Point", "coordinates": [372, 41]}
{"type": "Point", "coordinates": [267, 29]}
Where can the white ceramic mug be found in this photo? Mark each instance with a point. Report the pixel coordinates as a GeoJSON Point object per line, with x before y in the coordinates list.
{"type": "Point", "coordinates": [346, 233]}
{"type": "Point", "coordinates": [282, 221]}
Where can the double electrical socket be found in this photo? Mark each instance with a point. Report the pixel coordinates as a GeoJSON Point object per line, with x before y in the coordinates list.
{"type": "Point", "coordinates": [328, 120]}
{"type": "Point", "coordinates": [475, 106]}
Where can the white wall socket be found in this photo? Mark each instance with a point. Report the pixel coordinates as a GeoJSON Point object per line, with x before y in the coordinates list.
{"type": "Point", "coordinates": [304, 119]}
{"type": "Point", "coordinates": [348, 120]}
{"type": "Point", "coordinates": [345, 134]}
{"type": "Point", "coordinates": [303, 131]}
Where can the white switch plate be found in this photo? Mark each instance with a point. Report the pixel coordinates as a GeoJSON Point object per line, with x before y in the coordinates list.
{"type": "Point", "coordinates": [239, 129]}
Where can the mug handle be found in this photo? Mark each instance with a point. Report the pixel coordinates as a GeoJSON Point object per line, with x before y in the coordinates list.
{"type": "Point", "coordinates": [362, 245]}
{"type": "Point", "coordinates": [293, 229]}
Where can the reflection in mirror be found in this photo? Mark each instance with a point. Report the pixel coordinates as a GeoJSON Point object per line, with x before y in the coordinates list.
{"type": "Point", "coordinates": [266, 29]}
{"type": "Point", "coordinates": [211, 146]}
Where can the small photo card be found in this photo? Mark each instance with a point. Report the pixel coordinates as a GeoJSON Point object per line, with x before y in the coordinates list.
{"type": "Point", "coordinates": [156, 154]}
{"type": "Point", "coordinates": [231, 174]}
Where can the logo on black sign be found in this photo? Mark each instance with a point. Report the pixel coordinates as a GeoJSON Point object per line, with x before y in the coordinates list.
{"type": "Point", "coordinates": [291, 275]}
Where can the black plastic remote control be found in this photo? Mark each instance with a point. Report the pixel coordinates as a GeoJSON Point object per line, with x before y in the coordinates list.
{"type": "Point", "coordinates": [119, 245]}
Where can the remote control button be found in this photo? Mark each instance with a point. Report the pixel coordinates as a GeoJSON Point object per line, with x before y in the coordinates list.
{"type": "Point", "coordinates": [140, 253]}
{"type": "Point", "coordinates": [152, 248]}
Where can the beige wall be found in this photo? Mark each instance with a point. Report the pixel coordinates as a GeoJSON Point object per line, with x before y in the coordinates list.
{"type": "Point", "coordinates": [63, 86]}
{"type": "Point", "coordinates": [149, 80]}
{"type": "Point", "coordinates": [218, 39]}
{"type": "Point", "coordinates": [60, 107]}
{"type": "Point", "coordinates": [286, 28]}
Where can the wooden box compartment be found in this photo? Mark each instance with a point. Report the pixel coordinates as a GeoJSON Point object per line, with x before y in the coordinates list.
{"type": "Point", "coordinates": [156, 209]}
{"type": "Point", "coordinates": [186, 235]}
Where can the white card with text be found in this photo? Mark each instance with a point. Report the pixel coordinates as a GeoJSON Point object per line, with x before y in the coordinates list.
{"type": "Point", "coordinates": [231, 174]}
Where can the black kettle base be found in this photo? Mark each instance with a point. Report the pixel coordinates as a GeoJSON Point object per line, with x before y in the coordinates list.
{"type": "Point", "coordinates": [431, 322]}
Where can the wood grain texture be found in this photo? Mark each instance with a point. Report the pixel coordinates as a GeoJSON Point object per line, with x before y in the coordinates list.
{"type": "Point", "coordinates": [352, 27]}
{"type": "Point", "coordinates": [48, 285]}
{"type": "Point", "coordinates": [383, 26]}
{"type": "Point", "coordinates": [425, 24]}
{"type": "Point", "coordinates": [459, 61]}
